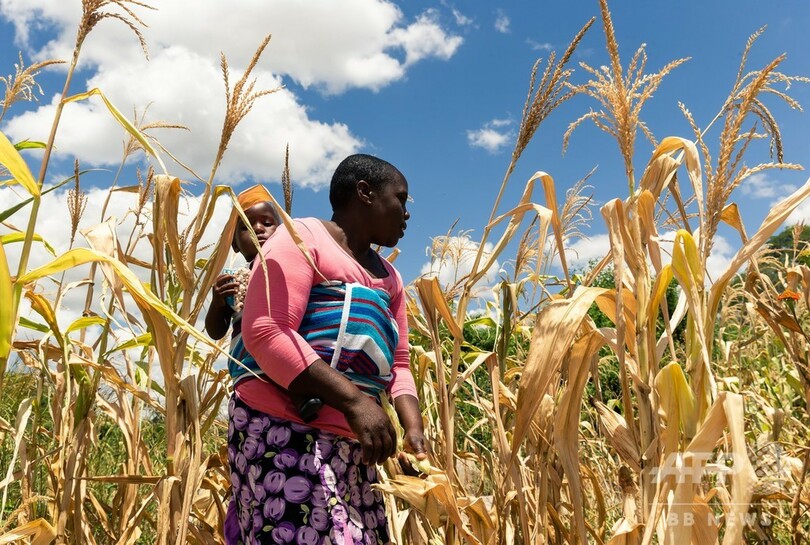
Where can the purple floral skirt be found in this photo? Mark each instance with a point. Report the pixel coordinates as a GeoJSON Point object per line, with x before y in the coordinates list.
{"type": "Point", "coordinates": [296, 484]}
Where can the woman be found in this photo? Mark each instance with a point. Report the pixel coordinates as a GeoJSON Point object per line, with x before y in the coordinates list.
{"type": "Point", "coordinates": [337, 331]}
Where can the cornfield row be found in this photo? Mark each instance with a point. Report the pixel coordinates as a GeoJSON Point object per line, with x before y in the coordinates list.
{"type": "Point", "coordinates": [586, 408]}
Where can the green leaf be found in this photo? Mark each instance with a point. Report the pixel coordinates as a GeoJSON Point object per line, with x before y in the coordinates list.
{"type": "Point", "coordinates": [144, 339]}
{"type": "Point", "coordinates": [36, 326]}
{"type": "Point", "coordinates": [86, 321]}
{"type": "Point", "coordinates": [19, 236]}
{"type": "Point", "coordinates": [29, 144]}
{"type": "Point", "coordinates": [5, 214]}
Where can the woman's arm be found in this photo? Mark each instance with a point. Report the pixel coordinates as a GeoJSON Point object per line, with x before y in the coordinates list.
{"type": "Point", "coordinates": [410, 417]}
{"type": "Point", "coordinates": [365, 417]}
{"type": "Point", "coordinates": [403, 388]}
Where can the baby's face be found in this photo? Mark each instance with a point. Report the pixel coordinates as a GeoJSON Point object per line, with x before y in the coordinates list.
{"type": "Point", "coordinates": [263, 219]}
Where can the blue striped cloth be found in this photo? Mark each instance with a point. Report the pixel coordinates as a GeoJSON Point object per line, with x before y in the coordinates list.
{"type": "Point", "coordinates": [350, 326]}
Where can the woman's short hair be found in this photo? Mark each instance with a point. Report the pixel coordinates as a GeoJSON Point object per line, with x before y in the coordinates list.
{"type": "Point", "coordinates": [354, 168]}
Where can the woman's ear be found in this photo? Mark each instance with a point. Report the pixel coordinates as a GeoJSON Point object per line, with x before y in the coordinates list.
{"type": "Point", "coordinates": [364, 192]}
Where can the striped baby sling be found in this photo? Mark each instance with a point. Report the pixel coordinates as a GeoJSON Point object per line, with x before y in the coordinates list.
{"type": "Point", "coordinates": [350, 326]}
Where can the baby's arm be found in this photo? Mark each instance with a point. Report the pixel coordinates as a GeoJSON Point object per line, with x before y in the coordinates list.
{"type": "Point", "coordinates": [218, 319]}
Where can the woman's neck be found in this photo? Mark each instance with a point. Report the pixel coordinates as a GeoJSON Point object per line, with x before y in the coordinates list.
{"type": "Point", "coordinates": [348, 235]}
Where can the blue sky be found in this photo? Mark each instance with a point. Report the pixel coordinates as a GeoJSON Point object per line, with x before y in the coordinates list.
{"type": "Point", "coordinates": [410, 82]}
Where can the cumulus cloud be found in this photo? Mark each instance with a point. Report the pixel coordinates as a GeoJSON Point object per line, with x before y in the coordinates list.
{"type": "Point", "coordinates": [493, 136]}
{"type": "Point", "coordinates": [762, 186]}
{"type": "Point", "coordinates": [452, 260]}
{"type": "Point", "coordinates": [330, 46]}
{"type": "Point", "coordinates": [580, 253]}
{"type": "Point", "coordinates": [502, 22]}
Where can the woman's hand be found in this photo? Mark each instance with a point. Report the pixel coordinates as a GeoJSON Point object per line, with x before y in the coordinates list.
{"type": "Point", "coordinates": [407, 407]}
{"type": "Point", "coordinates": [373, 429]}
{"type": "Point", "coordinates": [366, 418]}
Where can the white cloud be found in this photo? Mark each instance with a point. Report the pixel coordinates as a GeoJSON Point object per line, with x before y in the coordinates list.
{"type": "Point", "coordinates": [425, 38]}
{"type": "Point", "coordinates": [580, 254]}
{"type": "Point", "coordinates": [461, 19]}
{"type": "Point", "coordinates": [331, 46]}
{"type": "Point", "coordinates": [493, 136]}
{"type": "Point", "coordinates": [452, 259]}
{"type": "Point", "coordinates": [762, 186]}
{"type": "Point", "coordinates": [502, 22]}
{"type": "Point", "coordinates": [539, 46]}
{"type": "Point", "coordinates": [801, 214]}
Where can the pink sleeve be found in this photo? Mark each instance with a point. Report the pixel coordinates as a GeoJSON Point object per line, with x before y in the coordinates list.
{"type": "Point", "coordinates": [271, 334]}
{"type": "Point", "coordinates": [403, 382]}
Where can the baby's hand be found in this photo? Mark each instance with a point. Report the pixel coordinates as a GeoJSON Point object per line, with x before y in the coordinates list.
{"type": "Point", "coordinates": [225, 286]}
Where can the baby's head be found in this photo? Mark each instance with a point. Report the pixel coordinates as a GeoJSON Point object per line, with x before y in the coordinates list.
{"type": "Point", "coordinates": [262, 217]}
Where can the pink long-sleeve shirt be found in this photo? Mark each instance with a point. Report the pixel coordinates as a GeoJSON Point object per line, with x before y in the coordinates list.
{"type": "Point", "coordinates": [270, 333]}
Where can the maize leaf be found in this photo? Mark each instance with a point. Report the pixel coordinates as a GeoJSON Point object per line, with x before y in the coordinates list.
{"type": "Point", "coordinates": [18, 236]}
{"type": "Point", "coordinates": [11, 159]}
{"type": "Point", "coordinates": [43, 307]}
{"type": "Point", "coordinates": [39, 531]}
{"type": "Point", "coordinates": [433, 303]}
{"type": "Point", "coordinates": [6, 311]}
{"type": "Point", "coordinates": [677, 404]}
{"type": "Point", "coordinates": [167, 198]}
{"type": "Point", "coordinates": [85, 321]}
{"type": "Point", "coordinates": [7, 213]}
{"type": "Point", "coordinates": [556, 328]}
{"type": "Point", "coordinates": [566, 421]}
{"type": "Point", "coordinates": [615, 429]}
{"type": "Point", "coordinates": [145, 299]}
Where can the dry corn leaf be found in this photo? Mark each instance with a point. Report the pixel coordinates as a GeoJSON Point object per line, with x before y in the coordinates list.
{"type": "Point", "coordinates": [731, 216]}
{"type": "Point", "coordinates": [554, 333]}
{"type": "Point", "coordinates": [556, 224]}
{"type": "Point", "coordinates": [661, 168]}
{"type": "Point", "coordinates": [659, 293]}
{"type": "Point", "coordinates": [566, 421]}
{"type": "Point", "coordinates": [434, 303]}
{"type": "Point", "coordinates": [39, 531]}
{"type": "Point", "coordinates": [167, 200]}
{"type": "Point", "coordinates": [103, 239]}
{"type": "Point", "coordinates": [615, 428]}
{"type": "Point", "coordinates": [515, 218]}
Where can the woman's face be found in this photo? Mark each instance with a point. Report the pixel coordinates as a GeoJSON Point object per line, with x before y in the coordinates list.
{"type": "Point", "coordinates": [263, 219]}
{"type": "Point", "coordinates": [389, 215]}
